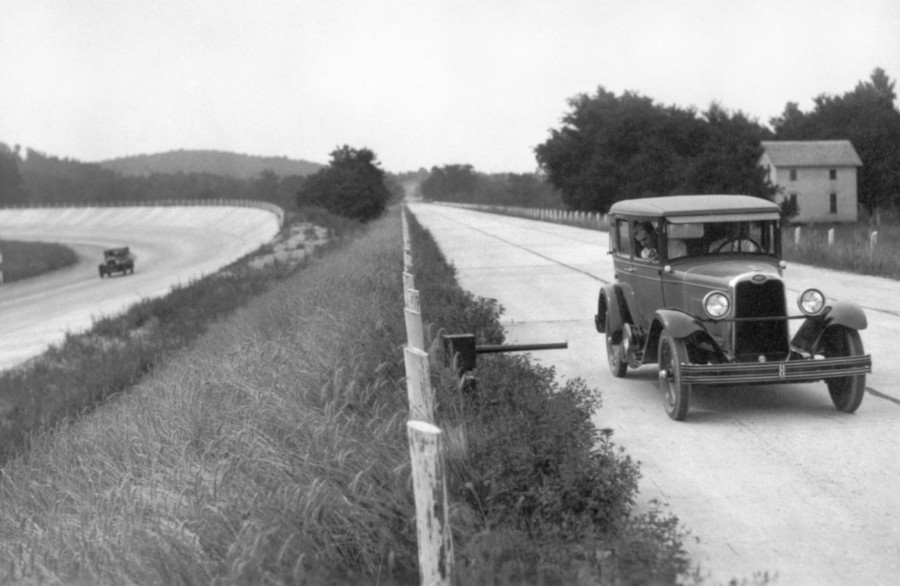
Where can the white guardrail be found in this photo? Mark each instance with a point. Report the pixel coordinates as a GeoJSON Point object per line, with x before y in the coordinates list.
{"type": "Point", "coordinates": [597, 220]}
{"type": "Point", "coordinates": [425, 439]}
{"type": "Point", "coordinates": [594, 220]}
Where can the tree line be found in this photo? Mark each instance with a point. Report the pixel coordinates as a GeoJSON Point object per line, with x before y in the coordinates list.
{"type": "Point", "coordinates": [463, 184]}
{"type": "Point", "coordinates": [353, 185]}
{"type": "Point", "coordinates": [611, 148]}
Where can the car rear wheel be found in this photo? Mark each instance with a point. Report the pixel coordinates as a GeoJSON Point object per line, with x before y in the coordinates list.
{"type": "Point", "coordinates": [676, 394]}
{"type": "Point", "coordinates": [846, 392]}
{"type": "Point", "coordinates": [615, 355]}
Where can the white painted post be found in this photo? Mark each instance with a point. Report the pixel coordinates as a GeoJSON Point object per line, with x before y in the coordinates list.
{"type": "Point", "coordinates": [409, 282]}
{"type": "Point", "coordinates": [432, 513]}
{"type": "Point", "coordinates": [797, 235]}
{"type": "Point", "coordinates": [873, 240]}
{"type": "Point", "coordinates": [407, 244]}
{"type": "Point", "coordinates": [830, 236]}
{"type": "Point", "coordinates": [419, 392]}
{"type": "Point", "coordinates": [415, 329]}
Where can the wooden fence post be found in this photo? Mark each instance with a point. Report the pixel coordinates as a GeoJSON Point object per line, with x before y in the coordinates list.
{"type": "Point", "coordinates": [409, 282]}
{"type": "Point", "coordinates": [415, 329]}
{"type": "Point", "coordinates": [873, 240]}
{"type": "Point", "coordinates": [796, 235]}
{"type": "Point", "coordinates": [432, 522]}
{"type": "Point", "coordinates": [830, 236]}
{"type": "Point", "coordinates": [407, 243]}
{"type": "Point", "coordinates": [418, 384]}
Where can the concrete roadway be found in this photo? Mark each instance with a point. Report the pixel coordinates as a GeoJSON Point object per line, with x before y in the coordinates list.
{"type": "Point", "coordinates": [765, 478]}
{"type": "Point", "coordinates": [174, 245]}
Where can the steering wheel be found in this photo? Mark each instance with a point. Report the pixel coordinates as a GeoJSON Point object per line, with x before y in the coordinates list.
{"type": "Point", "coordinates": [754, 246]}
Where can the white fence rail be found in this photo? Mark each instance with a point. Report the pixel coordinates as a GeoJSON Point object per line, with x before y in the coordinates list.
{"type": "Point", "coordinates": [425, 439]}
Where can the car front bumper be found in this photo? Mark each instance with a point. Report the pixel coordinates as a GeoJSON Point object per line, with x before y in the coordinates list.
{"type": "Point", "coordinates": [807, 370]}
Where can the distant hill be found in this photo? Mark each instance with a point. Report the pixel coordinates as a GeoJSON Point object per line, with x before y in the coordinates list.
{"type": "Point", "coordinates": [215, 162]}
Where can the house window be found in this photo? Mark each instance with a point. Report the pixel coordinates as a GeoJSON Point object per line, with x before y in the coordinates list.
{"type": "Point", "coordinates": [793, 199]}
{"type": "Point", "coordinates": [793, 174]}
{"type": "Point", "coordinates": [832, 174]}
{"type": "Point", "coordinates": [832, 204]}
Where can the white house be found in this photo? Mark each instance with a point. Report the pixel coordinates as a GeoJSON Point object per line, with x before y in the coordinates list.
{"type": "Point", "coordinates": [820, 175]}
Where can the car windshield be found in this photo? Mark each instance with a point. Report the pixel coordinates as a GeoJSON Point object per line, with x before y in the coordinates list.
{"type": "Point", "coordinates": [724, 237]}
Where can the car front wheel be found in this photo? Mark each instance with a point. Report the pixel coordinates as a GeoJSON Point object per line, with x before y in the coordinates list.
{"type": "Point", "coordinates": [846, 392]}
{"type": "Point", "coordinates": [615, 355]}
{"type": "Point", "coordinates": [676, 394]}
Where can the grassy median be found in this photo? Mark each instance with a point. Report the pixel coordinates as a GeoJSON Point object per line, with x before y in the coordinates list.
{"type": "Point", "coordinates": [22, 260]}
{"type": "Point", "coordinates": [272, 450]}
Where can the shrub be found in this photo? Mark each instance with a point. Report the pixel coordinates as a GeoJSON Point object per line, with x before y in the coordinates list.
{"type": "Point", "coordinates": [540, 496]}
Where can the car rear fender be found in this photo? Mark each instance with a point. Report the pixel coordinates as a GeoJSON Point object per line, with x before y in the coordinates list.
{"type": "Point", "coordinates": [840, 313]}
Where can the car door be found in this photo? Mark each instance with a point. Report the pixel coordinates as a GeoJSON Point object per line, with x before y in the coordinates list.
{"type": "Point", "coordinates": [642, 279]}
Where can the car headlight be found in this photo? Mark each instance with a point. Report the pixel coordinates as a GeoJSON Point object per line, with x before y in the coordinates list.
{"type": "Point", "coordinates": [716, 304]}
{"type": "Point", "coordinates": [811, 301]}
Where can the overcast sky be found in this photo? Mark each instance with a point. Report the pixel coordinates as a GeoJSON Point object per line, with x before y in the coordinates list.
{"type": "Point", "coordinates": [420, 82]}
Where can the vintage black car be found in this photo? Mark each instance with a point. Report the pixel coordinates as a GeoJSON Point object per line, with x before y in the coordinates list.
{"type": "Point", "coordinates": [116, 260]}
{"type": "Point", "coordinates": [698, 290]}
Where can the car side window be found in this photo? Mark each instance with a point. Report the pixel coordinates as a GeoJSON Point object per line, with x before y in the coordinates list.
{"type": "Point", "coordinates": [623, 238]}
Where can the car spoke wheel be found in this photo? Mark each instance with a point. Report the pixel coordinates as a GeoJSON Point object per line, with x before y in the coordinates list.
{"type": "Point", "coordinates": [615, 355]}
{"type": "Point", "coordinates": [846, 392]}
{"type": "Point", "coordinates": [676, 394]}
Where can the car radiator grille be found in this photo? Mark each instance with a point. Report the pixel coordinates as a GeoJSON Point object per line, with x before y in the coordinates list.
{"type": "Point", "coordinates": [765, 337]}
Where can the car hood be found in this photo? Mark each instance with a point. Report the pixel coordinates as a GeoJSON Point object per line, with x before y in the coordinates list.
{"type": "Point", "coordinates": [718, 272]}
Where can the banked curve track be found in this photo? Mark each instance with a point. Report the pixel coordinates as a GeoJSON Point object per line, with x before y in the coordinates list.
{"type": "Point", "coordinates": [174, 245]}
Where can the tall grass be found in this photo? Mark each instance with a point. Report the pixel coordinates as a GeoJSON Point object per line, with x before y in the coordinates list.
{"type": "Point", "coordinates": [850, 250]}
{"type": "Point", "coordinates": [22, 260]}
{"type": "Point", "coordinates": [274, 451]}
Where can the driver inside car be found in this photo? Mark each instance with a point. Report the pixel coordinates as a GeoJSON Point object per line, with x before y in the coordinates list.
{"type": "Point", "coordinates": [729, 240]}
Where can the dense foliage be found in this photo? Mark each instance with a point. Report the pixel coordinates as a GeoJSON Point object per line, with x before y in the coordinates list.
{"type": "Point", "coordinates": [612, 148]}
{"type": "Point", "coordinates": [12, 190]}
{"type": "Point", "coordinates": [226, 164]}
{"type": "Point", "coordinates": [42, 179]}
{"type": "Point", "coordinates": [353, 185]}
{"type": "Point", "coordinates": [461, 183]}
{"type": "Point", "coordinates": [868, 117]}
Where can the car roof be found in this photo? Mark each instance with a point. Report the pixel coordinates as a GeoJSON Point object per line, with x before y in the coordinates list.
{"type": "Point", "coordinates": [693, 205]}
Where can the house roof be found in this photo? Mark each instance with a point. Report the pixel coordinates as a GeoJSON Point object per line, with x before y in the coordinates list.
{"type": "Point", "coordinates": [811, 153]}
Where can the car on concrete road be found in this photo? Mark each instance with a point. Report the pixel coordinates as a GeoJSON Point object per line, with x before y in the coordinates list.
{"type": "Point", "coordinates": [117, 260]}
{"type": "Point", "coordinates": [699, 291]}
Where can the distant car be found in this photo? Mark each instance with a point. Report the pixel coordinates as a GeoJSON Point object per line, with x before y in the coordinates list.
{"type": "Point", "coordinates": [117, 260]}
{"type": "Point", "coordinates": [708, 303]}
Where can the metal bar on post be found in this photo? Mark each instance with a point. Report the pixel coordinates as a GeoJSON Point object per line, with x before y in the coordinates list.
{"type": "Point", "coordinates": [432, 513]}
{"type": "Point", "coordinates": [496, 348]}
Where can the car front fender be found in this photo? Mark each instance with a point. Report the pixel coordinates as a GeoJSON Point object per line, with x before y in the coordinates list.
{"type": "Point", "coordinates": [678, 323]}
{"type": "Point", "coordinates": [840, 313]}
